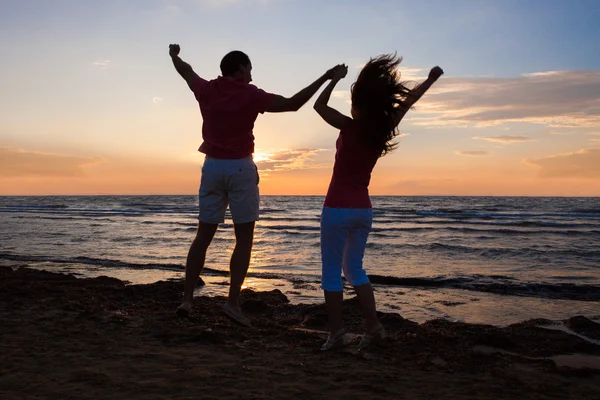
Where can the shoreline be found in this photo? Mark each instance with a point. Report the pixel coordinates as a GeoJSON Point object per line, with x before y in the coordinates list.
{"type": "Point", "coordinates": [418, 303]}
{"type": "Point", "coordinates": [97, 338]}
{"type": "Point", "coordinates": [576, 289]}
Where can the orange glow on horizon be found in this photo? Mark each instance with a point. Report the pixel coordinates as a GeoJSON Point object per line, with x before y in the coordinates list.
{"type": "Point", "coordinates": [140, 178]}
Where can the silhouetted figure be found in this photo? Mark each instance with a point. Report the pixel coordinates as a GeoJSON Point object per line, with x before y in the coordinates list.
{"type": "Point", "coordinates": [379, 102]}
{"type": "Point", "coordinates": [229, 105]}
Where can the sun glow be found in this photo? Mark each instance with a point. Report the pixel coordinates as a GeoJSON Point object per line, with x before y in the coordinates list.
{"type": "Point", "coordinates": [261, 155]}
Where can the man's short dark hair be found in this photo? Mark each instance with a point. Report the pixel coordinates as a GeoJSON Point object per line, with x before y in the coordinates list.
{"type": "Point", "coordinates": [230, 64]}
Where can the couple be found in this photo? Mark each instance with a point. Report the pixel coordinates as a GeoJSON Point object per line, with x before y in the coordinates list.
{"type": "Point", "coordinates": [229, 107]}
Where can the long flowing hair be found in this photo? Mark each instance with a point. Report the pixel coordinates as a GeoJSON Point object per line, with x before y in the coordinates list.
{"type": "Point", "coordinates": [376, 94]}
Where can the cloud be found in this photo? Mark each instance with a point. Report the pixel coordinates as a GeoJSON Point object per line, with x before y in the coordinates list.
{"type": "Point", "coordinates": [157, 100]}
{"type": "Point", "coordinates": [285, 160]}
{"type": "Point", "coordinates": [584, 163]}
{"type": "Point", "coordinates": [408, 74]}
{"type": "Point", "coordinates": [22, 163]}
{"type": "Point", "coordinates": [558, 133]}
{"type": "Point", "coordinates": [507, 139]}
{"type": "Point", "coordinates": [556, 99]}
{"type": "Point", "coordinates": [169, 14]}
{"type": "Point", "coordinates": [542, 74]}
{"type": "Point", "coordinates": [471, 153]}
{"type": "Point", "coordinates": [570, 131]}
{"type": "Point", "coordinates": [342, 95]}
{"type": "Point", "coordinates": [102, 64]}
{"type": "Point", "coordinates": [405, 75]}
{"type": "Point", "coordinates": [215, 3]}
{"type": "Point", "coordinates": [219, 3]}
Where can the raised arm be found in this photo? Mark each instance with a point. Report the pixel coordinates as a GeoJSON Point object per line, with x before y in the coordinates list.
{"type": "Point", "coordinates": [184, 69]}
{"type": "Point", "coordinates": [283, 104]}
{"type": "Point", "coordinates": [332, 116]}
{"type": "Point", "coordinates": [418, 92]}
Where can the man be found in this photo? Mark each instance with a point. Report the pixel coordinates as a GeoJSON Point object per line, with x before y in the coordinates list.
{"type": "Point", "coordinates": [229, 107]}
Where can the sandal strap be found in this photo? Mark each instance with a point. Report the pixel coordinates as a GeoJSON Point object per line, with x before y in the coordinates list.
{"type": "Point", "coordinates": [369, 337]}
{"type": "Point", "coordinates": [334, 341]}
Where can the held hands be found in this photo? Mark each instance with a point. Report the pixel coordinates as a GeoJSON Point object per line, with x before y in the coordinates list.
{"type": "Point", "coordinates": [435, 73]}
{"type": "Point", "coordinates": [174, 50]}
{"type": "Point", "coordinates": [338, 72]}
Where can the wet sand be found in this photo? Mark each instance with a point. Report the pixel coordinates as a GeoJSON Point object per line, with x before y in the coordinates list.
{"type": "Point", "coordinates": [64, 337]}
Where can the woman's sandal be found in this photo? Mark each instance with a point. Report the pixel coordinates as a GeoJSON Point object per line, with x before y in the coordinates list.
{"type": "Point", "coordinates": [183, 311]}
{"type": "Point", "coordinates": [336, 341]}
{"type": "Point", "coordinates": [371, 338]}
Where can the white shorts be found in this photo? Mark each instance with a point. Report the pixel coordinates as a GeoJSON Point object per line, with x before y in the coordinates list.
{"type": "Point", "coordinates": [232, 183]}
{"type": "Point", "coordinates": [344, 233]}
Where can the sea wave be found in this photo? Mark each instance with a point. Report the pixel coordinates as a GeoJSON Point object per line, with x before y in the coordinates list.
{"type": "Point", "coordinates": [498, 284]}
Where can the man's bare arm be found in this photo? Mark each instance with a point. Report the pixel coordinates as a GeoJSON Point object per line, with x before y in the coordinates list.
{"type": "Point", "coordinates": [284, 104]}
{"type": "Point", "coordinates": [184, 69]}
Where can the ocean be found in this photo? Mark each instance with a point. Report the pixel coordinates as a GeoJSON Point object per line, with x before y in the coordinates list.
{"type": "Point", "coordinates": [495, 260]}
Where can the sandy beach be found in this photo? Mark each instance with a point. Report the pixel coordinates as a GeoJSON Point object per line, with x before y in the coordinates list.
{"type": "Point", "coordinates": [70, 338]}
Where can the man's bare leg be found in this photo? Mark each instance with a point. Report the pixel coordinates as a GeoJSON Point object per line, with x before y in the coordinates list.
{"type": "Point", "coordinates": [238, 267]}
{"type": "Point", "coordinates": [195, 263]}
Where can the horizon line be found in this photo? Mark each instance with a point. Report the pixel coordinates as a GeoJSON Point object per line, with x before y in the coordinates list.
{"type": "Point", "coordinates": [289, 195]}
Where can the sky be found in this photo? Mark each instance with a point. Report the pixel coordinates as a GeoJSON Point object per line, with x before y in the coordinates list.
{"type": "Point", "coordinates": [91, 104]}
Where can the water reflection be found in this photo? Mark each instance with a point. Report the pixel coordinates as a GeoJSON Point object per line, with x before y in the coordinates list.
{"type": "Point", "coordinates": [413, 303]}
